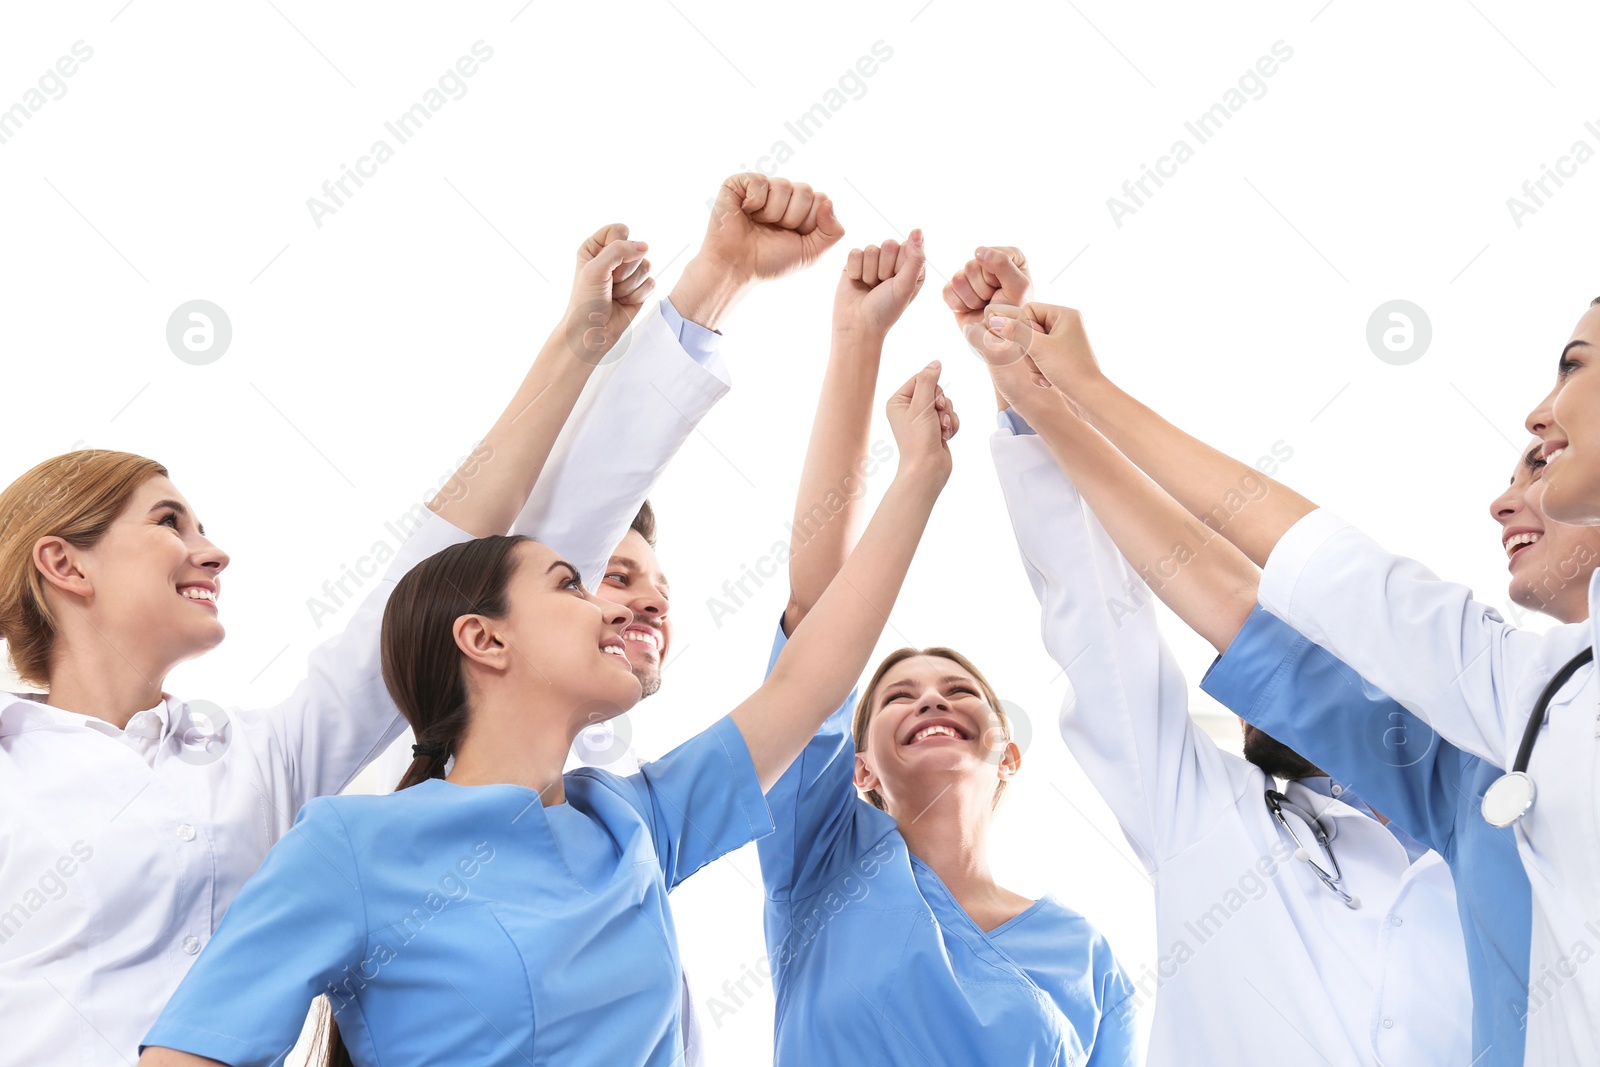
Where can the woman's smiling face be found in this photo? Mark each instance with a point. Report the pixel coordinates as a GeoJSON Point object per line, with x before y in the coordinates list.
{"type": "Point", "coordinates": [1568, 421]}
{"type": "Point", "coordinates": [149, 587]}
{"type": "Point", "coordinates": [931, 724]}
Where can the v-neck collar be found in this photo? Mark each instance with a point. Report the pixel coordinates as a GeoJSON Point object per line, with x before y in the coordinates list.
{"type": "Point", "coordinates": [956, 904]}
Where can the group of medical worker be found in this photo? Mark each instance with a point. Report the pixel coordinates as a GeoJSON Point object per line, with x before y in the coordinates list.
{"type": "Point", "coordinates": [1403, 868]}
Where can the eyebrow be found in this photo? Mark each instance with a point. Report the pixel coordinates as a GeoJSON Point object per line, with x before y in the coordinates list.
{"type": "Point", "coordinates": [570, 567]}
{"type": "Point", "coordinates": [1571, 345]}
{"type": "Point", "coordinates": [1533, 454]}
{"type": "Point", "coordinates": [182, 511]}
{"type": "Point", "coordinates": [633, 565]}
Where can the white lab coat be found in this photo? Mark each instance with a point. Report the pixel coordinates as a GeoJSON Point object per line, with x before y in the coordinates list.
{"type": "Point", "coordinates": [1475, 679]}
{"type": "Point", "coordinates": [1259, 963]}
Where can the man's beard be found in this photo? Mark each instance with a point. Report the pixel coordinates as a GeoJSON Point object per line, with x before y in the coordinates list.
{"type": "Point", "coordinates": [1276, 758]}
{"type": "Point", "coordinates": [649, 681]}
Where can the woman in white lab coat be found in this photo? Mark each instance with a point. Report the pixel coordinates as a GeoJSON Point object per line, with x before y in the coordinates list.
{"type": "Point", "coordinates": [129, 818]}
{"type": "Point", "coordinates": [1457, 664]}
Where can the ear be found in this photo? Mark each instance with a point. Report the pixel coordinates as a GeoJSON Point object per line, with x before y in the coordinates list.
{"type": "Point", "coordinates": [865, 778]}
{"type": "Point", "coordinates": [1010, 761]}
{"type": "Point", "coordinates": [57, 561]}
{"type": "Point", "coordinates": [477, 640]}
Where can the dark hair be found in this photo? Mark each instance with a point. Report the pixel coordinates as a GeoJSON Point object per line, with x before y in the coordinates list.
{"type": "Point", "coordinates": [421, 663]}
{"type": "Point", "coordinates": [422, 668]}
{"type": "Point", "coordinates": [644, 523]}
{"type": "Point", "coordinates": [1595, 301]}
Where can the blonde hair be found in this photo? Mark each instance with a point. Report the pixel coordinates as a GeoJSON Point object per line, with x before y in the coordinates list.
{"type": "Point", "coordinates": [863, 715]}
{"type": "Point", "coordinates": [75, 497]}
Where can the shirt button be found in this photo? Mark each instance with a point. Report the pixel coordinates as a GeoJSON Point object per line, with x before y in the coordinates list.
{"type": "Point", "coordinates": [185, 832]}
{"type": "Point", "coordinates": [1388, 1024]}
{"type": "Point", "coordinates": [191, 945]}
{"type": "Point", "coordinates": [1396, 920]}
{"type": "Point", "coordinates": [1337, 790]}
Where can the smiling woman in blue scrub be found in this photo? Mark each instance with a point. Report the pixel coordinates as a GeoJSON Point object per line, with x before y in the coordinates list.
{"type": "Point", "coordinates": [499, 912]}
{"type": "Point", "coordinates": [890, 942]}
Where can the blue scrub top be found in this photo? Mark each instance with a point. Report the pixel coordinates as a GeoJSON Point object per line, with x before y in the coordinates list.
{"type": "Point", "coordinates": [874, 962]}
{"type": "Point", "coordinates": [472, 924]}
{"type": "Point", "coordinates": [1280, 681]}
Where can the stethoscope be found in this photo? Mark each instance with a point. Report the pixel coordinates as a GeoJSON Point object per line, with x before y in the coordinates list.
{"type": "Point", "coordinates": [1276, 802]}
{"type": "Point", "coordinates": [1512, 794]}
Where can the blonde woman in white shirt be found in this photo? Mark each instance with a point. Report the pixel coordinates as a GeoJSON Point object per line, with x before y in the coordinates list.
{"type": "Point", "coordinates": [129, 819]}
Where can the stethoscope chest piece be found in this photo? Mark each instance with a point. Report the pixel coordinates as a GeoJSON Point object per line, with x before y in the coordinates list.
{"type": "Point", "coordinates": [1508, 799]}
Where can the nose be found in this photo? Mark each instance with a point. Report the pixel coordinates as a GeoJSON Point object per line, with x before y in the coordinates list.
{"type": "Point", "coordinates": [1542, 418]}
{"type": "Point", "coordinates": [650, 604]}
{"type": "Point", "coordinates": [931, 701]}
{"type": "Point", "coordinates": [617, 615]}
{"type": "Point", "coordinates": [211, 558]}
{"type": "Point", "coordinates": [1502, 507]}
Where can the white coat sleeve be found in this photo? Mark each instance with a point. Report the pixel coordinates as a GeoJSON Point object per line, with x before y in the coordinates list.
{"type": "Point", "coordinates": [1449, 659]}
{"type": "Point", "coordinates": [340, 716]}
{"type": "Point", "coordinates": [634, 414]}
{"type": "Point", "coordinates": [1126, 720]}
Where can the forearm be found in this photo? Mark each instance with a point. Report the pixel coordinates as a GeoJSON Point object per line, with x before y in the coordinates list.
{"type": "Point", "coordinates": [484, 497]}
{"type": "Point", "coordinates": [827, 512]}
{"type": "Point", "coordinates": [1203, 578]}
{"type": "Point", "coordinates": [1248, 508]}
{"type": "Point", "coordinates": [827, 653]}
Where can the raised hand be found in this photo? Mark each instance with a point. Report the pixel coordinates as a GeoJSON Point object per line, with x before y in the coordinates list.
{"type": "Point", "coordinates": [763, 228]}
{"type": "Point", "coordinates": [608, 289]}
{"type": "Point", "coordinates": [995, 275]}
{"type": "Point", "coordinates": [923, 422]}
{"type": "Point", "coordinates": [876, 286]}
{"type": "Point", "coordinates": [1051, 340]}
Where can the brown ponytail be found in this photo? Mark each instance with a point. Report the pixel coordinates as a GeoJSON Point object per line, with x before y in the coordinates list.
{"type": "Point", "coordinates": [422, 668]}
{"type": "Point", "coordinates": [421, 663]}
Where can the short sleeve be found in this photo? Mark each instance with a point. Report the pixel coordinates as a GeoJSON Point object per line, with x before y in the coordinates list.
{"type": "Point", "coordinates": [1299, 693]}
{"type": "Point", "coordinates": [702, 800]}
{"type": "Point", "coordinates": [296, 925]}
{"type": "Point", "coordinates": [1116, 1039]}
{"type": "Point", "coordinates": [821, 824]}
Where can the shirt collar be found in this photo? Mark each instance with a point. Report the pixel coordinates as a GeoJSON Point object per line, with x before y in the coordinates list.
{"type": "Point", "coordinates": [20, 711]}
{"type": "Point", "coordinates": [1325, 786]}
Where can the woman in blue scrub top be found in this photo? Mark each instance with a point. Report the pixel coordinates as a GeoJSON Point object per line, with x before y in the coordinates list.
{"type": "Point", "coordinates": [494, 911]}
{"type": "Point", "coordinates": [890, 941]}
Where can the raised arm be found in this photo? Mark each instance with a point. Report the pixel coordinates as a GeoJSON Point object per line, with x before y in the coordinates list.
{"type": "Point", "coordinates": [830, 648]}
{"type": "Point", "coordinates": [1235, 499]}
{"type": "Point", "coordinates": [1202, 577]}
{"type": "Point", "coordinates": [651, 392]}
{"type": "Point", "coordinates": [613, 279]}
{"type": "Point", "coordinates": [876, 285]}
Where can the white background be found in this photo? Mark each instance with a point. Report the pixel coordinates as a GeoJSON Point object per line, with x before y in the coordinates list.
{"type": "Point", "coordinates": [371, 352]}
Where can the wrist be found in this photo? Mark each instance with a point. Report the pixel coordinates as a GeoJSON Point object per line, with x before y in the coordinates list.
{"type": "Point", "coordinates": [709, 289]}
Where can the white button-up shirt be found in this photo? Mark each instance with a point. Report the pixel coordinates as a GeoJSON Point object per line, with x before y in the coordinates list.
{"type": "Point", "coordinates": [1259, 963]}
{"type": "Point", "coordinates": [1475, 679]}
{"type": "Point", "coordinates": [121, 849]}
